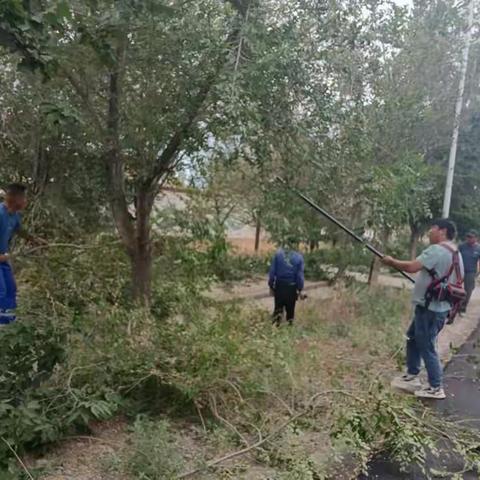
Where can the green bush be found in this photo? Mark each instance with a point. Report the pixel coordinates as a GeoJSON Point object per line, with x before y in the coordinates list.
{"type": "Point", "coordinates": [351, 256]}
{"type": "Point", "coordinates": [65, 281]}
{"type": "Point", "coordinates": [240, 267]}
{"type": "Point", "coordinates": [30, 350]}
{"type": "Point", "coordinates": [397, 426]}
{"type": "Point", "coordinates": [81, 351]}
{"type": "Point", "coordinates": [39, 402]}
{"type": "Point", "coordinates": [153, 453]}
{"type": "Point", "coordinates": [201, 352]}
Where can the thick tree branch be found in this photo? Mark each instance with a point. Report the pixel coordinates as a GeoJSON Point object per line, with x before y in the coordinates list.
{"type": "Point", "coordinates": [168, 155]}
{"type": "Point", "coordinates": [85, 98]}
{"type": "Point", "coordinates": [113, 158]}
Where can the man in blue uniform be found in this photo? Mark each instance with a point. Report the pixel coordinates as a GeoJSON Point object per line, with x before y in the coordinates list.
{"type": "Point", "coordinates": [286, 280]}
{"type": "Point", "coordinates": [470, 251]}
{"type": "Point", "coordinates": [10, 224]}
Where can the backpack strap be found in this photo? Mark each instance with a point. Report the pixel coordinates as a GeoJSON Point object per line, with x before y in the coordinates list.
{"type": "Point", "coordinates": [448, 247]}
{"type": "Point", "coordinates": [433, 273]}
{"type": "Point", "coordinates": [458, 271]}
{"type": "Point", "coordinates": [455, 264]}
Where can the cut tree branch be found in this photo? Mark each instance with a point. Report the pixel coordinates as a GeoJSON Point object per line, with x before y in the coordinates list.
{"type": "Point", "coordinates": [260, 442]}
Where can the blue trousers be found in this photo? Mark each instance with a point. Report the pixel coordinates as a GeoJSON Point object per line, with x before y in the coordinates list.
{"type": "Point", "coordinates": [421, 344]}
{"type": "Point", "coordinates": [8, 294]}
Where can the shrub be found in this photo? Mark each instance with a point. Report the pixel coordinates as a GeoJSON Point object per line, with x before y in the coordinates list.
{"type": "Point", "coordinates": [153, 453]}
{"type": "Point", "coordinates": [351, 256]}
{"type": "Point", "coordinates": [38, 401]}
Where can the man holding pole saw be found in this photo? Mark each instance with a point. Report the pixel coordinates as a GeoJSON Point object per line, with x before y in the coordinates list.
{"type": "Point", "coordinates": [437, 295]}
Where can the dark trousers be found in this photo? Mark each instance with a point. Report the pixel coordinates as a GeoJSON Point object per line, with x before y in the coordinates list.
{"type": "Point", "coordinates": [8, 294]}
{"type": "Point", "coordinates": [285, 299]}
{"type": "Point", "coordinates": [469, 283]}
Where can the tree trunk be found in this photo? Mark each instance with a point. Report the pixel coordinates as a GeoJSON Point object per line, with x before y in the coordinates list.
{"type": "Point", "coordinates": [414, 234]}
{"type": "Point", "coordinates": [374, 272]}
{"type": "Point", "coordinates": [142, 274]}
{"type": "Point", "coordinates": [258, 231]}
{"type": "Point", "coordinates": [40, 167]}
{"type": "Point", "coordinates": [134, 233]}
{"type": "Point", "coordinates": [142, 254]}
{"type": "Point", "coordinates": [376, 264]}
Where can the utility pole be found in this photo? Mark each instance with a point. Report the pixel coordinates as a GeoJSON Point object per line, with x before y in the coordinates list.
{"type": "Point", "coordinates": [458, 112]}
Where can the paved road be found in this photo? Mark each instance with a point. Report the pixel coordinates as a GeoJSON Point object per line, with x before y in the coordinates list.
{"type": "Point", "coordinates": [257, 288]}
{"type": "Point", "coordinates": [463, 402]}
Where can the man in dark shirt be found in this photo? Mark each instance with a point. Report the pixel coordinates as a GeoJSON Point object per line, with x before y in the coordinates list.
{"type": "Point", "coordinates": [286, 279]}
{"type": "Point", "coordinates": [470, 251]}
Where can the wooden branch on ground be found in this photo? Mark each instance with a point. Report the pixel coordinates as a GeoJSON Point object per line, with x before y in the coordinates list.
{"type": "Point", "coordinates": [271, 435]}
{"type": "Point", "coordinates": [19, 460]}
{"type": "Point", "coordinates": [213, 408]}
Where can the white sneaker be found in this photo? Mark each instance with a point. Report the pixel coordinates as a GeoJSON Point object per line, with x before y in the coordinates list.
{"type": "Point", "coordinates": [430, 392]}
{"type": "Point", "coordinates": [408, 382]}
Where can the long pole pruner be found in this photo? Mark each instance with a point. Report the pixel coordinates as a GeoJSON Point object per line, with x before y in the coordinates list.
{"type": "Point", "coordinates": [339, 224]}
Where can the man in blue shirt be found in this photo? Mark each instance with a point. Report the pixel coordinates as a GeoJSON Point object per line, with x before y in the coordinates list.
{"type": "Point", "coordinates": [10, 224]}
{"type": "Point", "coordinates": [286, 280]}
{"type": "Point", "coordinates": [470, 251]}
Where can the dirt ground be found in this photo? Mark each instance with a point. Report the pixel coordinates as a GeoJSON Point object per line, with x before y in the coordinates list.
{"type": "Point", "coordinates": [84, 457]}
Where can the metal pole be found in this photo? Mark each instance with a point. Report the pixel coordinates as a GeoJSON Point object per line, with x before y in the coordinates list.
{"type": "Point", "coordinates": [458, 112]}
{"type": "Point", "coordinates": [339, 224]}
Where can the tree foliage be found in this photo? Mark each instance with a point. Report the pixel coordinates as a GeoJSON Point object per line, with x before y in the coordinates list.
{"type": "Point", "coordinates": [349, 101]}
